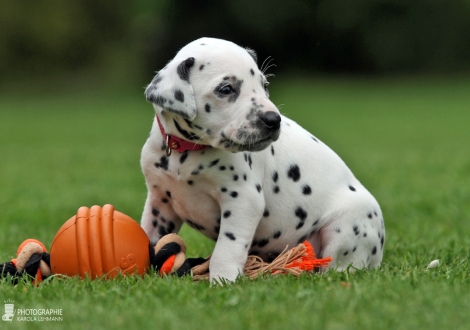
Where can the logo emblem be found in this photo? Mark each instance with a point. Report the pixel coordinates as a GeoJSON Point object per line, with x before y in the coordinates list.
{"type": "Point", "coordinates": [9, 310]}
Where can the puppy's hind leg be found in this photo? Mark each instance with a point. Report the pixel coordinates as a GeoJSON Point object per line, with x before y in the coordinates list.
{"type": "Point", "coordinates": [350, 241]}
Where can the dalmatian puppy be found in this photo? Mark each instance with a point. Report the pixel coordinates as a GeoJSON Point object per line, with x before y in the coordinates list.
{"type": "Point", "coordinates": [222, 159]}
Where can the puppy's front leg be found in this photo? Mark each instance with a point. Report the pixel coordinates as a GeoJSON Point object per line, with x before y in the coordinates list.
{"type": "Point", "coordinates": [158, 218]}
{"type": "Point", "coordinates": [239, 220]}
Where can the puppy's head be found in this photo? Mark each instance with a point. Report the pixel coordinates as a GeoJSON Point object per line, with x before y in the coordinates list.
{"type": "Point", "coordinates": [213, 93]}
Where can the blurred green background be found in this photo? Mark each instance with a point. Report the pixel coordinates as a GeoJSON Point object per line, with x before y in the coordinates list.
{"type": "Point", "coordinates": [108, 42]}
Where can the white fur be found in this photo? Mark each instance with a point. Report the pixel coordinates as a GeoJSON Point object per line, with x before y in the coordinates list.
{"type": "Point", "coordinates": [322, 202]}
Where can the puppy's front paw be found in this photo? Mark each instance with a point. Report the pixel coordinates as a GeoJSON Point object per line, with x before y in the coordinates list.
{"type": "Point", "coordinates": [224, 271]}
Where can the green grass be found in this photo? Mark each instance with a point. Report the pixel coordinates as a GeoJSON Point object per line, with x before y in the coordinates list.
{"type": "Point", "coordinates": [407, 140]}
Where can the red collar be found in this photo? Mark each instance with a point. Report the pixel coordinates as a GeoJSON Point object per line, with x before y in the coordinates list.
{"type": "Point", "coordinates": [175, 143]}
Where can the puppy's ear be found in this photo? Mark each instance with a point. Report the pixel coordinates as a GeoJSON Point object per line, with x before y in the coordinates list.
{"type": "Point", "coordinates": [252, 54]}
{"type": "Point", "coordinates": [171, 89]}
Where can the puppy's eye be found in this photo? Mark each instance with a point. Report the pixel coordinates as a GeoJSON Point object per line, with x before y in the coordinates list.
{"type": "Point", "coordinates": [226, 90]}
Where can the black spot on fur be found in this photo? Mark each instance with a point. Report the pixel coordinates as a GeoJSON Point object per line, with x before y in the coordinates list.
{"type": "Point", "coordinates": [374, 250]}
{"type": "Point", "coordinates": [263, 242]}
{"type": "Point", "coordinates": [277, 234]}
{"type": "Point", "coordinates": [252, 72]}
{"type": "Point", "coordinates": [369, 215]}
{"type": "Point", "coordinates": [183, 157]}
{"type": "Point", "coordinates": [201, 67]}
{"type": "Point", "coordinates": [162, 219]}
{"type": "Point", "coordinates": [276, 189]}
{"type": "Point", "coordinates": [230, 235]}
{"type": "Point", "coordinates": [337, 229]}
{"type": "Point", "coordinates": [316, 222]}
{"type": "Point", "coordinates": [275, 176]}
{"type": "Point", "coordinates": [223, 189]}
{"type": "Point", "coordinates": [213, 163]}
{"type": "Point", "coordinates": [195, 225]}
{"type": "Point", "coordinates": [222, 168]}
{"type": "Point", "coordinates": [294, 173]}
{"type": "Point", "coordinates": [171, 226]}
{"type": "Point", "coordinates": [356, 230]}
{"type": "Point", "coordinates": [164, 200]}
{"type": "Point", "coordinates": [227, 214]}
{"type": "Point", "coordinates": [365, 235]}
{"type": "Point", "coordinates": [382, 242]}
{"type": "Point", "coordinates": [235, 177]}
{"type": "Point", "coordinates": [183, 68]}
{"type": "Point", "coordinates": [266, 213]}
{"type": "Point", "coordinates": [272, 150]}
{"type": "Point", "coordinates": [155, 223]}
{"type": "Point", "coordinates": [345, 253]}
{"type": "Point", "coordinates": [244, 177]}
{"type": "Point", "coordinates": [352, 188]}
{"type": "Point", "coordinates": [179, 95]}
{"type": "Point", "coordinates": [190, 182]}
{"type": "Point", "coordinates": [234, 194]}
{"type": "Point", "coordinates": [207, 107]}
{"type": "Point", "coordinates": [314, 139]}
{"type": "Point", "coordinates": [156, 99]}
{"type": "Point", "coordinates": [168, 194]}
{"type": "Point", "coordinates": [188, 135]}
{"type": "Point", "coordinates": [188, 122]}
{"type": "Point", "coordinates": [155, 211]}
{"type": "Point", "coordinates": [258, 187]}
{"type": "Point", "coordinates": [156, 79]}
{"type": "Point", "coordinates": [354, 250]}
{"type": "Point", "coordinates": [300, 213]}
{"type": "Point", "coordinates": [300, 224]}
{"type": "Point", "coordinates": [306, 190]}
{"type": "Point", "coordinates": [163, 164]}
{"type": "Point", "coordinates": [162, 231]}
{"type": "Point", "coordinates": [217, 229]}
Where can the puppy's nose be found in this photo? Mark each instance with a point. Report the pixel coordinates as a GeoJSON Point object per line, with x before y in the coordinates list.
{"type": "Point", "coordinates": [271, 119]}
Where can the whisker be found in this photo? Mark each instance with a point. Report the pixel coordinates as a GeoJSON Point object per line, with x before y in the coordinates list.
{"type": "Point", "coordinates": [269, 66]}
{"type": "Point", "coordinates": [201, 137]}
{"type": "Point", "coordinates": [262, 65]}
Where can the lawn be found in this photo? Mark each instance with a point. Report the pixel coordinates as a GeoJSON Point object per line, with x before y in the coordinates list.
{"type": "Point", "coordinates": [406, 140]}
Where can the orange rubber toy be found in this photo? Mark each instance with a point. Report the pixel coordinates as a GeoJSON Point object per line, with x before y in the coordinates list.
{"type": "Point", "coordinates": [99, 242]}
